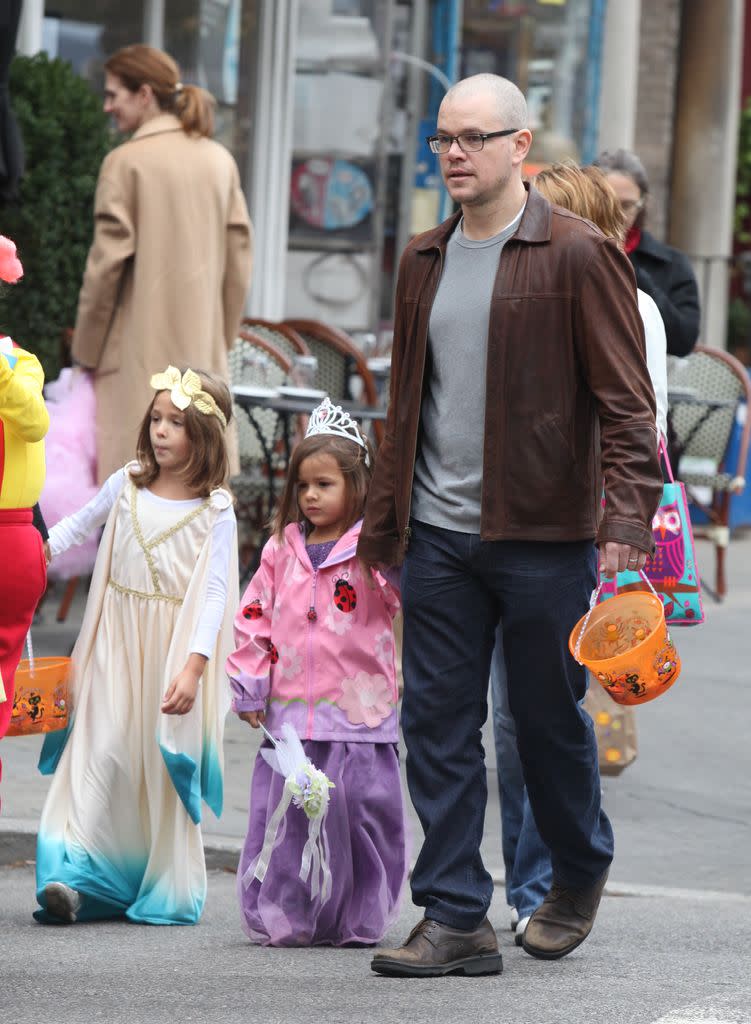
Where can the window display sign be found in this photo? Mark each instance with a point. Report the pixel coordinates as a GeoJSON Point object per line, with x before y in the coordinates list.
{"type": "Point", "coordinates": [332, 201]}
{"type": "Point", "coordinates": [331, 194]}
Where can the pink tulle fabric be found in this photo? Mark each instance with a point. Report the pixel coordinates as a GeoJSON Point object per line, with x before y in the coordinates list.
{"type": "Point", "coordinates": [10, 265]}
{"type": "Point", "coordinates": [71, 464]}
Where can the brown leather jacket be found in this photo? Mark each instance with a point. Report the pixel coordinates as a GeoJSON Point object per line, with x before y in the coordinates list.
{"type": "Point", "coordinates": [569, 398]}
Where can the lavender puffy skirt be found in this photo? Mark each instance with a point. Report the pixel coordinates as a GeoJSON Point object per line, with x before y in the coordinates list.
{"type": "Point", "coordinates": [368, 858]}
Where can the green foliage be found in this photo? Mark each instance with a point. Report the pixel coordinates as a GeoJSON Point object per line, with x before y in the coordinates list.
{"type": "Point", "coordinates": [66, 137]}
{"type": "Point", "coordinates": [739, 325]}
{"type": "Point", "coordinates": [743, 178]}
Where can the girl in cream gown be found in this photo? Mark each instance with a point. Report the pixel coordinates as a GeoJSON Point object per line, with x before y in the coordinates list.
{"type": "Point", "coordinates": [120, 831]}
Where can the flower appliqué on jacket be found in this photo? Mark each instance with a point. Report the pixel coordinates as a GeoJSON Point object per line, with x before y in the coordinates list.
{"type": "Point", "coordinates": [384, 646]}
{"type": "Point", "coordinates": [336, 622]}
{"type": "Point", "coordinates": [366, 699]}
{"type": "Point", "coordinates": [290, 662]}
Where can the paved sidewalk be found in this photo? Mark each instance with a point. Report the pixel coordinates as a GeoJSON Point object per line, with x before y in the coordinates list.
{"type": "Point", "coordinates": [670, 945]}
{"type": "Point", "coordinates": [680, 812]}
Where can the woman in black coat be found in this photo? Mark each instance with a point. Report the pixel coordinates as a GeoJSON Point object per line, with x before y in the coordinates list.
{"type": "Point", "coordinates": [661, 271]}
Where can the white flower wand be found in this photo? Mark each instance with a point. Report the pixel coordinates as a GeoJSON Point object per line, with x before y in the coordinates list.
{"type": "Point", "coordinates": [306, 787]}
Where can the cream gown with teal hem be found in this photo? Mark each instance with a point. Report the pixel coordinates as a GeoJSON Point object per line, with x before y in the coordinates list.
{"type": "Point", "coordinates": [121, 819]}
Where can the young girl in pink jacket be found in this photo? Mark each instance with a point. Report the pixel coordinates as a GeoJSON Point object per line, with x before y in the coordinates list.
{"type": "Point", "coordinates": [314, 648]}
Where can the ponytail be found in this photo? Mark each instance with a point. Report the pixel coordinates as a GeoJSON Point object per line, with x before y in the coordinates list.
{"type": "Point", "coordinates": [195, 109]}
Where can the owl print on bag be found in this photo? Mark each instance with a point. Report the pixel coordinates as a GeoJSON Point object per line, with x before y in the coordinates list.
{"type": "Point", "coordinates": [668, 562]}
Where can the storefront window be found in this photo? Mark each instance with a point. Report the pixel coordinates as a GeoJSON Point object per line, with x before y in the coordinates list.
{"type": "Point", "coordinates": [86, 32]}
{"type": "Point", "coordinates": [338, 180]}
{"type": "Point", "coordinates": [543, 47]}
{"type": "Point", "coordinates": [213, 42]}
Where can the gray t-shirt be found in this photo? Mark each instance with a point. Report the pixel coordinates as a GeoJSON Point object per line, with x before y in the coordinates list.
{"type": "Point", "coordinates": [447, 485]}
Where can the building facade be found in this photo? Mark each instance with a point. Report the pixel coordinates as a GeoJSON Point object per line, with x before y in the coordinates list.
{"type": "Point", "coordinates": [325, 105]}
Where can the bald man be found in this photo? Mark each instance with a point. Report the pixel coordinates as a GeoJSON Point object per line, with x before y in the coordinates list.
{"type": "Point", "coordinates": [519, 386]}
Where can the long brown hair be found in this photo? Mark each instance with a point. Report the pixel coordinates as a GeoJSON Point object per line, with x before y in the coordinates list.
{"type": "Point", "coordinates": [139, 65]}
{"type": "Point", "coordinates": [586, 192]}
{"type": "Point", "coordinates": [208, 465]}
{"type": "Point", "coordinates": [350, 457]}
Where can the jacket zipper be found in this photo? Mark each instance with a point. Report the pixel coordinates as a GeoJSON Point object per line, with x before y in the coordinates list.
{"type": "Point", "coordinates": [407, 532]}
{"type": "Point", "coordinates": [311, 620]}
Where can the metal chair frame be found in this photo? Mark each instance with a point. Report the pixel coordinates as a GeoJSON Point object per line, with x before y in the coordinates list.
{"type": "Point", "coordinates": [251, 497]}
{"type": "Point", "coordinates": [319, 336]}
{"type": "Point", "coordinates": [285, 338]}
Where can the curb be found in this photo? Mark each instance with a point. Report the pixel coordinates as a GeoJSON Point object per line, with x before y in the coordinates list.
{"type": "Point", "coordinates": [18, 847]}
{"type": "Point", "coordinates": [17, 842]}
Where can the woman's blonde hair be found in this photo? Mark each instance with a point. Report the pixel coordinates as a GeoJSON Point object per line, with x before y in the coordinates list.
{"type": "Point", "coordinates": [208, 464]}
{"type": "Point", "coordinates": [139, 65]}
{"type": "Point", "coordinates": [586, 192]}
{"type": "Point", "coordinates": [349, 456]}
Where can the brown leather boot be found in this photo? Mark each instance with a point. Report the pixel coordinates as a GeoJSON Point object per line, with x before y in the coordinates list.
{"type": "Point", "coordinates": [563, 920]}
{"type": "Point", "coordinates": [434, 949]}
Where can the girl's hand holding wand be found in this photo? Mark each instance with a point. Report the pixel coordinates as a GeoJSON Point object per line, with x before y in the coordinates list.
{"type": "Point", "coordinates": [254, 718]}
{"type": "Point", "coordinates": [181, 693]}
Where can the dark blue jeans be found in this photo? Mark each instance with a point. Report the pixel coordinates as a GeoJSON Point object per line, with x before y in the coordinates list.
{"type": "Point", "coordinates": [526, 858]}
{"type": "Point", "coordinates": [455, 588]}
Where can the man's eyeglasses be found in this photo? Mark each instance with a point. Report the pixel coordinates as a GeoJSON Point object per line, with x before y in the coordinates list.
{"type": "Point", "coordinates": [469, 142]}
{"type": "Point", "coordinates": [632, 205]}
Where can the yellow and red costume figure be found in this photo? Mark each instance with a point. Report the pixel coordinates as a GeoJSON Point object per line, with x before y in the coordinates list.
{"type": "Point", "coordinates": [23, 423]}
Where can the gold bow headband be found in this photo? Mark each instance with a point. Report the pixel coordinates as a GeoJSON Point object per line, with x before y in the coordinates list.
{"type": "Point", "coordinates": [186, 390]}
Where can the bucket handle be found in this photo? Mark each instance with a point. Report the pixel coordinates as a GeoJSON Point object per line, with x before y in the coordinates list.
{"type": "Point", "coordinates": [593, 602]}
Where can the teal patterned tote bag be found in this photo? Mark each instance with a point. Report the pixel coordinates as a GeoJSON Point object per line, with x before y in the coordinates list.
{"type": "Point", "coordinates": [672, 569]}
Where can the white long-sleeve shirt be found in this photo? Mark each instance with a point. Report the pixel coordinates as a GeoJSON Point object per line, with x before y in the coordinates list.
{"type": "Point", "coordinates": [656, 346]}
{"type": "Point", "coordinates": [74, 529]}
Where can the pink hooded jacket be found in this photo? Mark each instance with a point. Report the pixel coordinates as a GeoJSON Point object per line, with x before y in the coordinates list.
{"type": "Point", "coordinates": [315, 647]}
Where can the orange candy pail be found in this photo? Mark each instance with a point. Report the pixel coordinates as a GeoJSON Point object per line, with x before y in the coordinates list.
{"type": "Point", "coordinates": [40, 700]}
{"type": "Point", "coordinates": [626, 646]}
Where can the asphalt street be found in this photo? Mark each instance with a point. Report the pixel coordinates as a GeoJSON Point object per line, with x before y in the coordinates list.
{"type": "Point", "coordinates": [671, 943]}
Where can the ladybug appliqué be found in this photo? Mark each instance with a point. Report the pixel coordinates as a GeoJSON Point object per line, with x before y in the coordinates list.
{"type": "Point", "coordinates": [253, 610]}
{"type": "Point", "coordinates": [273, 653]}
{"type": "Point", "coordinates": [345, 597]}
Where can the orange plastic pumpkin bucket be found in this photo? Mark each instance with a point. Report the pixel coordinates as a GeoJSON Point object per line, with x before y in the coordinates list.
{"type": "Point", "coordinates": [625, 644]}
{"type": "Point", "coordinates": [40, 701]}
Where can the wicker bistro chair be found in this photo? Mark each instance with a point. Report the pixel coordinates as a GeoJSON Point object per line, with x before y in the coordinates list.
{"type": "Point", "coordinates": [338, 360]}
{"type": "Point", "coordinates": [283, 337]}
{"type": "Point", "coordinates": [255, 360]}
{"type": "Point", "coordinates": [708, 387]}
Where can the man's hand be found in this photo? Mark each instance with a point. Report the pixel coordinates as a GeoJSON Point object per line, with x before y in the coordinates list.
{"type": "Point", "coordinates": [616, 557]}
{"type": "Point", "coordinates": [47, 552]}
{"type": "Point", "coordinates": [254, 718]}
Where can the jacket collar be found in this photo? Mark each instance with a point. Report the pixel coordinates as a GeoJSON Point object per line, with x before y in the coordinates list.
{"type": "Point", "coordinates": [648, 244]}
{"type": "Point", "coordinates": [343, 550]}
{"type": "Point", "coordinates": [535, 225]}
{"type": "Point", "coordinates": [157, 125]}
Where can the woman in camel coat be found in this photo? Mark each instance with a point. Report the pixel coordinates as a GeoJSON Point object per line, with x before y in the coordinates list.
{"type": "Point", "coordinates": [170, 264]}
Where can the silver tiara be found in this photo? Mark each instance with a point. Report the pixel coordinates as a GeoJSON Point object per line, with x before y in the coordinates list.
{"type": "Point", "coordinates": [327, 418]}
